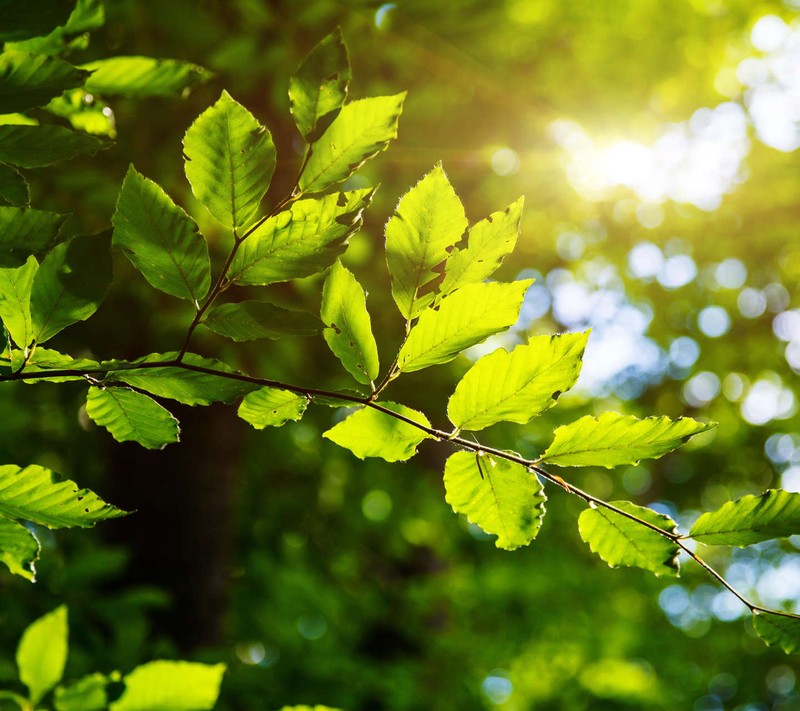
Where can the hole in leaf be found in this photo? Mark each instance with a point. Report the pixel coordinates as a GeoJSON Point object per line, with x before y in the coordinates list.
{"type": "Point", "coordinates": [556, 395]}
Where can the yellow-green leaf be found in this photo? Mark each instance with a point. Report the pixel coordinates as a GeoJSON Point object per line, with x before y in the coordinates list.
{"type": "Point", "coordinates": [272, 407]}
{"type": "Point", "coordinates": [42, 653]}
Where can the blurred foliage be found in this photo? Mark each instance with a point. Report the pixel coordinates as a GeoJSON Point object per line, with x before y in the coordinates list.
{"type": "Point", "coordinates": [353, 584]}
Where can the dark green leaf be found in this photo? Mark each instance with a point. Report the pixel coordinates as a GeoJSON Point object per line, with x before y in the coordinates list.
{"type": "Point", "coordinates": [349, 332]}
{"type": "Point", "coordinates": [488, 242]}
{"type": "Point", "coordinates": [36, 494]}
{"type": "Point", "coordinates": [38, 146]}
{"type": "Point", "coordinates": [371, 433]}
{"type": "Point", "coordinates": [87, 15]}
{"type": "Point", "coordinates": [619, 540]}
{"type": "Point", "coordinates": [16, 283]}
{"type": "Point", "coordinates": [272, 407]}
{"type": "Point", "coordinates": [428, 221]}
{"type": "Point", "coordinates": [70, 284]}
{"type": "Point", "coordinates": [205, 384]}
{"type": "Point", "coordinates": [160, 239]}
{"type": "Point", "coordinates": [517, 386]}
{"type": "Point", "coordinates": [42, 653]}
{"type": "Point", "coordinates": [28, 230]}
{"type": "Point", "coordinates": [319, 86]}
{"type": "Point", "coordinates": [132, 417]}
{"type": "Point", "coordinates": [230, 158]}
{"type": "Point", "coordinates": [28, 80]}
{"type": "Point", "coordinates": [19, 549]}
{"type": "Point", "coordinates": [13, 188]}
{"type": "Point", "coordinates": [301, 241]}
{"type": "Point", "coordinates": [143, 76]}
{"type": "Point", "coordinates": [361, 130]}
{"type": "Point", "coordinates": [170, 686]}
{"type": "Point", "coordinates": [44, 359]}
{"type": "Point", "coordinates": [750, 519]}
{"type": "Point", "coordinates": [778, 631]}
{"type": "Point", "coordinates": [86, 694]}
{"type": "Point", "coordinates": [501, 497]}
{"type": "Point", "coordinates": [462, 319]}
{"type": "Point", "coordinates": [32, 18]}
{"type": "Point", "coordinates": [613, 439]}
{"type": "Point", "coordinates": [251, 320]}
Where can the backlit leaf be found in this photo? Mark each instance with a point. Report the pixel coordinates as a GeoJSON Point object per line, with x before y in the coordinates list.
{"type": "Point", "coordinates": [28, 230]}
{"type": "Point", "coordinates": [19, 549]}
{"type": "Point", "coordinates": [70, 284]}
{"type": "Point", "coordinates": [517, 386]}
{"type": "Point", "coordinates": [42, 653]}
{"type": "Point", "coordinates": [501, 497]}
{"type": "Point", "coordinates": [132, 417]}
{"type": "Point", "coordinates": [349, 332]}
{"type": "Point", "coordinates": [32, 18]}
{"type": "Point", "coordinates": [85, 112]}
{"type": "Point", "coordinates": [143, 76]}
{"type": "Point", "coordinates": [272, 407]}
{"type": "Point", "coordinates": [191, 387]}
{"type": "Point", "coordinates": [230, 158]}
{"type": "Point", "coordinates": [38, 146]}
{"type": "Point", "coordinates": [300, 241]}
{"type": "Point", "coordinates": [619, 540]}
{"type": "Point", "coordinates": [778, 631]}
{"type": "Point", "coordinates": [428, 221]}
{"type": "Point", "coordinates": [160, 239]}
{"type": "Point", "coordinates": [88, 15]}
{"type": "Point", "coordinates": [28, 80]}
{"type": "Point", "coordinates": [45, 359]}
{"type": "Point", "coordinates": [488, 242]}
{"type": "Point", "coordinates": [36, 494]}
{"type": "Point", "coordinates": [750, 519]}
{"type": "Point", "coordinates": [170, 686]}
{"type": "Point", "coordinates": [613, 439]}
{"type": "Point", "coordinates": [13, 188]}
{"type": "Point", "coordinates": [462, 319]}
{"type": "Point", "coordinates": [371, 433]}
{"type": "Point", "coordinates": [361, 130]}
{"type": "Point", "coordinates": [86, 694]}
{"type": "Point", "coordinates": [251, 320]}
{"type": "Point", "coordinates": [319, 86]}
{"type": "Point", "coordinates": [16, 283]}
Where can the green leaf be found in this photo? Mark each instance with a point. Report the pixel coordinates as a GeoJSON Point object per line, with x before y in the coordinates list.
{"type": "Point", "coordinates": [778, 631]}
{"type": "Point", "coordinates": [319, 86]}
{"type": "Point", "coordinates": [613, 439]}
{"type": "Point", "coordinates": [230, 158]}
{"type": "Point", "coordinates": [38, 146]}
{"type": "Point", "coordinates": [462, 319]}
{"type": "Point", "coordinates": [86, 694]}
{"type": "Point", "coordinates": [371, 433]}
{"type": "Point", "coordinates": [13, 188]}
{"type": "Point", "coordinates": [16, 283]}
{"type": "Point", "coordinates": [272, 407]}
{"type": "Point", "coordinates": [36, 494]}
{"type": "Point", "coordinates": [88, 15]}
{"type": "Point", "coordinates": [45, 359]}
{"type": "Point", "coordinates": [750, 519]}
{"type": "Point", "coordinates": [70, 284]}
{"type": "Point", "coordinates": [19, 549]}
{"type": "Point", "coordinates": [32, 18]}
{"type": "Point", "coordinates": [619, 540]}
{"type": "Point", "coordinates": [251, 320]}
{"type": "Point", "coordinates": [28, 230]}
{"type": "Point", "coordinates": [181, 383]}
{"type": "Point", "coordinates": [517, 386]}
{"type": "Point", "coordinates": [42, 653]}
{"type": "Point", "coordinates": [501, 497]}
{"type": "Point", "coordinates": [361, 130]}
{"type": "Point", "coordinates": [160, 239]}
{"type": "Point", "coordinates": [488, 242]}
{"type": "Point", "coordinates": [143, 76]}
{"type": "Point", "coordinates": [428, 221]}
{"type": "Point", "coordinates": [28, 80]}
{"type": "Point", "coordinates": [300, 241]}
{"type": "Point", "coordinates": [170, 686]}
{"type": "Point", "coordinates": [349, 332]}
{"type": "Point", "coordinates": [132, 417]}
{"type": "Point", "coordinates": [85, 112]}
